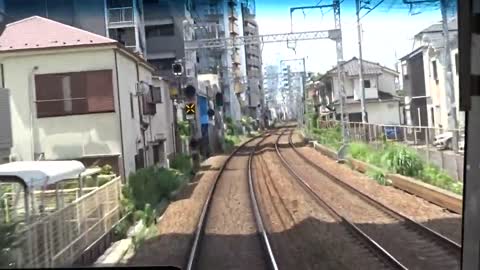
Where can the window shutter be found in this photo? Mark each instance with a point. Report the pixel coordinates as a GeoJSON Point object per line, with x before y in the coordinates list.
{"type": "Point", "coordinates": [99, 87]}
{"type": "Point", "coordinates": [149, 108]}
{"type": "Point", "coordinates": [156, 94]}
{"type": "Point", "coordinates": [49, 87]}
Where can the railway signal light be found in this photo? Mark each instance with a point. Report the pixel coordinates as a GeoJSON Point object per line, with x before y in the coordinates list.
{"type": "Point", "coordinates": [177, 69]}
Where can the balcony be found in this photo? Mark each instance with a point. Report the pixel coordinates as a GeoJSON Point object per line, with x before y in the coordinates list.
{"type": "Point", "coordinates": [233, 15]}
{"type": "Point", "coordinates": [370, 93]}
{"type": "Point", "coordinates": [236, 58]}
{"type": "Point", "coordinates": [120, 16]}
{"type": "Point", "coordinates": [234, 29]}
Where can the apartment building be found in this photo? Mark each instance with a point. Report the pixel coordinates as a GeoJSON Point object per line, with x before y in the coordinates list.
{"type": "Point", "coordinates": [253, 61]}
{"type": "Point", "coordinates": [154, 29]}
{"type": "Point", "coordinates": [222, 19]}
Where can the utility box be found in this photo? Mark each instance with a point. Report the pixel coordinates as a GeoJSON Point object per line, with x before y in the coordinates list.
{"type": "Point", "coordinates": [5, 126]}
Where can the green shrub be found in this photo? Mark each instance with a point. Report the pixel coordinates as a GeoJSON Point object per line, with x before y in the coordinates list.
{"type": "Point", "coordinates": [150, 185]}
{"type": "Point", "coordinates": [106, 169]}
{"type": "Point", "coordinates": [331, 137]}
{"type": "Point", "coordinates": [378, 176]}
{"type": "Point", "coordinates": [401, 160]}
{"type": "Point", "coordinates": [182, 163]}
{"type": "Point", "coordinates": [184, 128]}
{"type": "Point", "coordinates": [435, 176]}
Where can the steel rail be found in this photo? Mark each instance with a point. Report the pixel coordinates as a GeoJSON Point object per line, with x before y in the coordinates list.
{"type": "Point", "coordinates": [395, 214]}
{"type": "Point", "coordinates": [258, 217]}
{"type": "Point", "coordinates": [377, 248]}
{"type": "Point", "coordinates": [200, 229]}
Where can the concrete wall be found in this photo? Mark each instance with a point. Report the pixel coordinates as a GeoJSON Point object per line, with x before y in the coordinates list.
{"type": "Point", "coordinates": [378, 113]}
{"type": "Point", "coordinates": [162, 122]}
{"type": "Point", "coordinates": [386, 83]}
{"type": "Point", "coordinates": [65, 136]}
{"type": "Point", "coordinates": [132, 137]}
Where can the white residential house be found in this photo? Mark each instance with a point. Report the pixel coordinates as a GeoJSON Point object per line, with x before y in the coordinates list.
{"type": "Point", "coordinates": [382, 104]}
{"type": "Point", "coordinates": [78, 95]}
{"type": "Point", "coordinates": [423, 75]}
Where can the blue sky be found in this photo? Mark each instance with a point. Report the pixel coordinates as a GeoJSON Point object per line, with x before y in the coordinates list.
{"type": "Point", "coordinates": [387, 31]}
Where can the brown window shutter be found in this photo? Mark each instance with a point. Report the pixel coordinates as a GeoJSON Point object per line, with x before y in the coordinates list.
{"type": "Point", "coordinates": [99, 90]}
{"type": "Point", "coordinates": [149, 108]}
{"type": "Point", "coordinates": [48, 87]}
{"type": "Point", "coordinates": [79, 91]}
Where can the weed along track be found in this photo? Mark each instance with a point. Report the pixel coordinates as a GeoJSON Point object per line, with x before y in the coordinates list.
{"type": "Point", "coordinates": [230, 233]}
{"type": "Point", "coordinates": [402, 241]}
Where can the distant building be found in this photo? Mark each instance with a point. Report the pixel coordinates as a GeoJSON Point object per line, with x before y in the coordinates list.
{"type": "Point", "coordinates": [382, 104]}
{"type": "Point", "coordinates": [79, 95]}
{"type": "Point", "coordinates": [253, 61]}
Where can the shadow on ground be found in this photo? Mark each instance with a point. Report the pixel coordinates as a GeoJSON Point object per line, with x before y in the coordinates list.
{"type": "Point", "coordinates": [311, 244]}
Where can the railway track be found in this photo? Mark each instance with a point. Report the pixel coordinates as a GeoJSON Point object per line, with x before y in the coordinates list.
{"type": "Point", "coordinates": [245, 252]}
{"type": "Point", "coordinates": [407, 245]}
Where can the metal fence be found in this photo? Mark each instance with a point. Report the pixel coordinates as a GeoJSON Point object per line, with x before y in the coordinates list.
{"type": "Point", "coordinates": [13, 208]}
{"type": "Point", "coordinates": [418, 138]}
{"type": "Point", "coordinates": [59, 238]}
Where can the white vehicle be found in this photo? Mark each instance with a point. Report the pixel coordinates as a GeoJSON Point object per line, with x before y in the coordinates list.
{"type": "Point", "coordinates": [443, 141]}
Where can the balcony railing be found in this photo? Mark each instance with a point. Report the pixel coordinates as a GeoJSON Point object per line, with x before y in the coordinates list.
{"type": "Point", "coordinates": [120, 15]}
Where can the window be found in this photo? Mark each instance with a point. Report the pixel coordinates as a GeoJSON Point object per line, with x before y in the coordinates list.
{"type": "Point", "coordinates": [156, 94]}
{"type": "Point", "coordinates": [131, 106]}
{"type": "Point", "coordinates": [139, 160]}
{"type": "Point", "coordinates": [366, 84]}
{"type": "Point", "coordinates": [158, 153]}
{"type": "Point", "coordinates": [149, 106]}
{"type": "Point", "coordinates": [432, 112]}
{"type": "Point", "coordinates": [456, 63]}
{"type": "Point", "coordinates": [163, 64]}
{"type": "Point", "coordinates": [74, 93]}
{"type": "Point", "coordinates": [405, 69]}
{"type": "Point", "coordinates": [125, 36]}
{"type": "Point", "coordinates": [435, 74]}
{"type": "Point", "coordinates": [160, 30]}
{"type": "Point", "coordinates": [119, 3]}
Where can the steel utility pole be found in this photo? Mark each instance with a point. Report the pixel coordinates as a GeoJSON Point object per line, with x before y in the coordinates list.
{"type": "Point", "coordinates": [360, 60]}
{"type": "Point", "coordinates": [339, 46]}
{"type": "Point", "coordinates": [449, 88]}
{"type": "Point", "coordinates": [177, 70]}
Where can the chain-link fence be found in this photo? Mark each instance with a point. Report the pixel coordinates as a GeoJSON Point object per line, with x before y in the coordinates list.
{"type": "Point", "coordinates": [434, 145]}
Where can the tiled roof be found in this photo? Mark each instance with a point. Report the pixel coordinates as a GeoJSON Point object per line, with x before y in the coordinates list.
{"type": "Point", "coordinates": [452, 26]}
{"type": "Point", "coordinates": [40, 33]}
{"type": "Point", "coordinates": [351, 68]}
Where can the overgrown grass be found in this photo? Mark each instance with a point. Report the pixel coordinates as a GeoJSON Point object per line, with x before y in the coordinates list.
{"type": "Point", "coordinates": [230, 141]}
{"type": "Point", "coordinates": [331, 137]}
{"type": "Point", "coordinates": [146, 189]}
{"type": "Point", "coordinates": [182, 163]}
{"type": "Point", "coordinates": [396, 158]}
